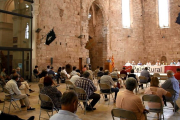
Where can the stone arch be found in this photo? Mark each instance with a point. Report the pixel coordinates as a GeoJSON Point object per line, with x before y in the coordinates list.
{"type": "Point", "coordinates": [102, 33]}
{"type": "Point", "coordinates": [7, 4]}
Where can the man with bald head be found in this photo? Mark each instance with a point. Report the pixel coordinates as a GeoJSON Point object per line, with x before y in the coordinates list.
{"type": "Point", "coordinates": [172, 85]}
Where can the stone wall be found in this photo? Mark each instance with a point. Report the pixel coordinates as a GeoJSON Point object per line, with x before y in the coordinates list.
{"type": "Point", "coordinates": [143, 41]}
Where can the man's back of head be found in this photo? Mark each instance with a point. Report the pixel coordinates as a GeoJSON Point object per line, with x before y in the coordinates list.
{"type": "Point", "coordinates": [86, 74]}
{"type": "Point", "coordinates": [170, 73]}
{"type": "Point", "coordinates": [101, 68]}
{"type": "Point", "coordinates": [106, 72]}
{"type": "Point", "coordinates": [130, 84]}
{"type": "Point", "coordinates": [74, 67]}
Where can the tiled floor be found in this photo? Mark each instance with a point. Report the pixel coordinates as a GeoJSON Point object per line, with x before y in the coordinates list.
{"type": "Point", "coordinates": [103, 111]}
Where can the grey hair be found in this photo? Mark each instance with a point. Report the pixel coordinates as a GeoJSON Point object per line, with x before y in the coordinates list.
{"type": "Point", "coordinates": [131, 83]}
{"type": "Point", "coordinates": [68, 98]}
{"type": "Point", "coordinates": [106, 72]}
{"type": "Point", "coordinates": [170, 73]}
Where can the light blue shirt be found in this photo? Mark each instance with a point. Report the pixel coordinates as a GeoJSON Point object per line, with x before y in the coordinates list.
{"type": "Point", "coordinates": [64, 115]}
{"type": "Point", "coordinates": [172, 84]}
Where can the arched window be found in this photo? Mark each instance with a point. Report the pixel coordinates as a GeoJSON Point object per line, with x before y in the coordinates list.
{"type": "Point", "coordinates": [163, 13]}
{"type": "Point", "coordinates": [126, 13]}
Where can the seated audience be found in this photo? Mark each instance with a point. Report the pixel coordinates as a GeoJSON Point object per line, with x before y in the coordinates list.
{"type": "Point", "coordinates": [146, 74]}
{"type": "Point", "coordinates": [90, 72]}
{"type": "Point", "coordinates": [123, 71]}
{"type": "Point", "coordinates": [156, 90]}
{"type": "Point", "coordinates": [89, 87]}
{"type": "Point", "coordinates": [36, 72]}
{"type": "Point", "coordinates": [3, 75]}
{"type": "Point", "coordinates": [44, 74]}
{"type": "Point", "coordinates": [129, 101]}
{"type": "Point", "coordinates": [100, 73]}
{"type": "Point", "coordinates": [74, 78]}
{"type": "Point", "coordinates": [2, 81]}
{"type": "Point", "coordinates": [22, 84]}
{"type": "Point", "coordinates": [84, 69]}
{"type": "Point", "coordinates": [115, 74]}
{"type": "Point", "coordinates": [96, 71]}
{"type": "Point", "coordinates": [135, 77]}
{"type": "Point", "coordinates": [108, 80]}
{"type": "Point", "coordinates": [48, 68]}
{"type": "Point", "coordinates": [177, 74]}
{"type": "Point", "coordinates": [51, 72]}
{"type": "Point", "coordinates": [65, 73]}
{"type": "Point", "coordinates": [69, 103]}
{"type": "Point", "coordinates": [74, 72]}
{"type": "Point", "coordinates": [52, 92]}
{"type": "Point", "coordinates": [13, 89]}
{"type": "Point", "coordinates": [172, 85]}
{"type": "Point", "coordinates": [5, 116]}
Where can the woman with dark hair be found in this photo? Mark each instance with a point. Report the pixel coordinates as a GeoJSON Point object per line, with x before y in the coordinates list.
{"type": "Point", "coordinates": [52, 92]}
{"type": "Point", "coordinates": [43, 75]}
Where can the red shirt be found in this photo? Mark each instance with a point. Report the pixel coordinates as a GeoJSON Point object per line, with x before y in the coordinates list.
{"type": "Point", "coordinates": [177, 76]}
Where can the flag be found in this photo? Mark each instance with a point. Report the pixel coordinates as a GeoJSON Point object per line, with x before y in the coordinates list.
{"type": "Point", "coordinates": [112, 59]}
{"type": "Point", "coordinates": [51, 36]}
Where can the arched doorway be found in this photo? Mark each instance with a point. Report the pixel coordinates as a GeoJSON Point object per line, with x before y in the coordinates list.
{"type": "Point", "coordinates": [96, 43]}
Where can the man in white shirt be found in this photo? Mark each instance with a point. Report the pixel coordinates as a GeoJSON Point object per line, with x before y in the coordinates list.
{"type": "Point", "coordinates": [158, 63]}
{"type": "Point", "coordinates": [128, 64]}
{"type": "Point", "coordinates": [148, 63]}
{"type": "Point", "coordinates": [178, 63]}
{"type": "Point", "coordinates": [64, 71]}
{"type": "Point", "coordinates": [13, 89]}
{"type": "Point", "coordinates": [69, 102]}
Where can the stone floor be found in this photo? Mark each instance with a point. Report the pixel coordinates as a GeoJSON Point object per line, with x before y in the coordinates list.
{"type": "Point", "coordinates": [103, 111]}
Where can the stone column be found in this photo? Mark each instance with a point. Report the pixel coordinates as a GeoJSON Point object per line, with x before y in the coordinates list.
{"type": "Point", "coordinates": [35, 14]}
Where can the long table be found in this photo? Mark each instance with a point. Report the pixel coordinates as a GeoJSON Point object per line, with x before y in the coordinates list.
{"type": "Point", "coordinates": [152, 68]}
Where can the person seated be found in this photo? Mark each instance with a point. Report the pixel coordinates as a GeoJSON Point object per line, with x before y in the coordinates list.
{"type": "Point", "coordinates": [123, 71]}
{"type": "Point", "coordinates": [5, 116]}
{"type": "Point", "coordinates": [173, 63]}
{"type": "Point", "coordinates": [74, 72]}
{"type": "Point", "coordinates": [100, 73]}
{"type": "Point", "coordinates": [69, 104]}
{"type": "Point", "coordinates": [148, 63]}
{"type": "Point", "coordinates": [133, 63]}
{"type": "Point", "coordinates": [36, 72]}
{"type": "Point", "coordinates": [158, 63]}
{"type": "Point", "coordinates": [177, 74]}
{"type": "Point", "coordinates": [52, 73]}
{"type": "Point", "coordinates": [4, 75]}
{"type": "Point", "coordinates": [178, 63]}
{"type": "Point", "coordinates": [129, 101]}
{"type": "Point", "coordinates": [172, 85]}
{"type": "Point", "coordinates": [128, 64]}
{"type": "Point", "coordinates": [84, 69]}
{"type": "Point", "coordinates": [22, 84]}
{"type": "Point", "coordinates": [48, 68]}
{"type": "Point", "coordinates": [135, 77]}
{"type": "Point", "coordinates": [44, 74]}
{"type": "Point", "coordinates": [75, 77]}
{"type": "Point", "coordinates": [87, 84]}
{"type": "Point", "coordinates": [96, 71]}
{"type": "Point", "coordinates": [90, 72]}
{"type": "Point", "coordinates": [115, 74]}
{"type": "Point", "coordinates": [13, 89]}
{"type": "Point", "coordinates": [52, 92]}
{"type": "Point", "coordinates": [65, 73]}
{"type": "Point", "coordinates": [146, 74]}
{"type": "Point", "coordinates": [2, 81]}
{"type": "Point", "coordinates": [107, 79]}
{"type": "Point", "coordinates": [139, 63]}
{"type": "Point", "coordinates": [154, 89]}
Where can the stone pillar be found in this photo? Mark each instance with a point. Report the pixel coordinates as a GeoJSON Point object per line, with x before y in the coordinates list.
{"type": "Point", "coordinates": [35, 14]}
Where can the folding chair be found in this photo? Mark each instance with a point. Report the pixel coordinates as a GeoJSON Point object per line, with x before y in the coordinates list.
{"type": "Point", "coordinates": [69, 85]}
{"type": "Point", "coordinates": [121, 113]}
{"type": "Point", "coordinates": [105, 87]}
{"type": "Point", "coordinates": [41, 86]}
{"type": "Point", "coordinates": [155, 99]}
{"type": "Point", "coordinates": [123, 76]}
{"type": "Point", "coordinates": [82, 93]}
{"type": "Point", "coordinates": [46, 99]}
{"type": "Point", "coordinates": [9, 98]}
{"type": "Point", "coordinates": [144, 79]}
